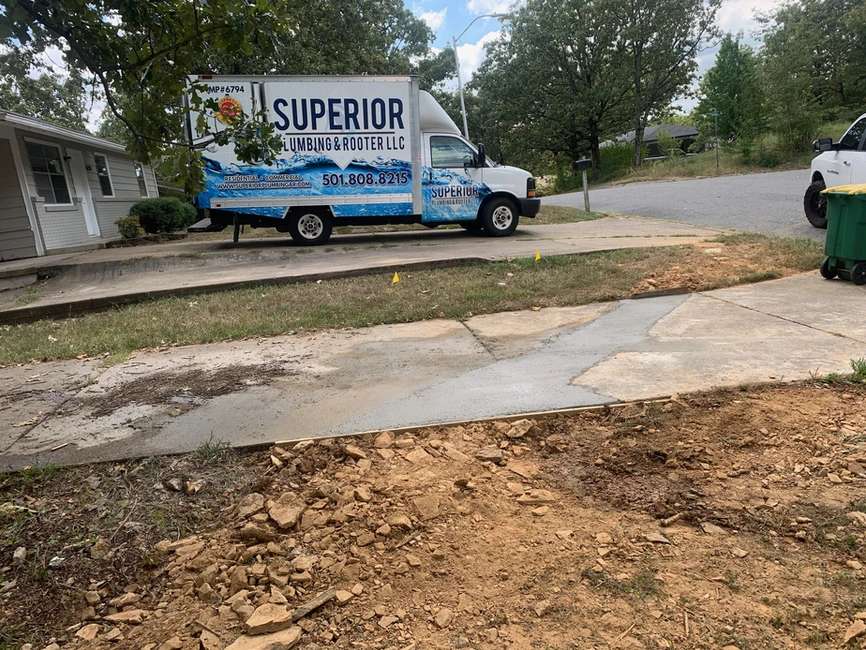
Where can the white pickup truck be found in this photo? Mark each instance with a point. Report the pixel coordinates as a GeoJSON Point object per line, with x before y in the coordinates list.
{"type": "Point", "coordinates": [838, 163]}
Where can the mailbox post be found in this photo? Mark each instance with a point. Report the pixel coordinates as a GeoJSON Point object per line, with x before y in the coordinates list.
{"type": "Point", "coordinates": [582, 165]}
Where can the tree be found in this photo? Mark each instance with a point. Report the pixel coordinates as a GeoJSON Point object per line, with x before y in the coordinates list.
{"type": "Point", "coordinates": [139, 53]}
{"type": "Point", "coordinates": [661, 39]}
{"type": "Point", "coordinates": [556, 85]}
{"type": "Point", "coordinates": [732, 88]}
{"type": "Point", "coordinates": [31, 88]}
{"type": "Point", "coordinates": [813, 68]}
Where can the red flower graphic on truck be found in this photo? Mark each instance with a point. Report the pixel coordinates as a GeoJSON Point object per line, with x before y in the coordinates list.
{"type": "Point", "coordinates": [230, 109]}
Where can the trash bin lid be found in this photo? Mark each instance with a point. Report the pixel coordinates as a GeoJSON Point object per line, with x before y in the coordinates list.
{"type": "Point", "coordinates": [852, 188]}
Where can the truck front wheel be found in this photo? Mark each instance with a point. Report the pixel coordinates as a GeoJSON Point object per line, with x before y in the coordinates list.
{"type": "Point", "coordinates": [499, 217]}
{"type": "Point", "coordinates": [310, 227]}
{"type": "Point", "coordinates": [815, 204]}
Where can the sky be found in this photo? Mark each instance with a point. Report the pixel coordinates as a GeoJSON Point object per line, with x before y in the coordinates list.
{"type": "Point", "coordinates": [447, 18]}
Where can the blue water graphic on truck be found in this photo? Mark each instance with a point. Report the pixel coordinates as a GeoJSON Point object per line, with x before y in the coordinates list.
{"type": "Point", "coordinates": [450, 196]}
{"type": "Point", "coordinates": [310, 175]}
{"type": "Point", "coordinates": [447, 195]}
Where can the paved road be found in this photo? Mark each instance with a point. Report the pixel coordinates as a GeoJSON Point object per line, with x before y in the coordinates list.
{"type": "Point", "coordinates": [348, 381]}
{"type": "Point", "coordinates": [771, 202]}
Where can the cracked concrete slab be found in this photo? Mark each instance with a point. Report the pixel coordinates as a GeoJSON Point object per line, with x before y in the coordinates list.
{"type": "Point", "coordinates": [346, 381]}
{"type": "Point", "coordinates": [707, 342]}
{"type": "Point", "coordinates": [834, 306]}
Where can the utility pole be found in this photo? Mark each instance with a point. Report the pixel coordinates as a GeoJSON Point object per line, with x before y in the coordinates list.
{"type": "Point", "coordinates": [715, 114]}
{"type": "Point", "coordinates": [457, 65]}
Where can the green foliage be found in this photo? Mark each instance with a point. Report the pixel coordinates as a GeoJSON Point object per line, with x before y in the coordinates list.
{"type": "Point", "coordinates": [667, 144]}
{"type": "Point", "coordinates": [129, 228]}
{"type": "Point", "coordinates": [813, 67]}
{"type": "Point", "coordinates": [139, 54]}
{"type": "Point", "coordinates": [732, 87]}
{"type": "Point", "coordinates": [31, 88]}
{"type": "Point", "coordinates": [163, 215]}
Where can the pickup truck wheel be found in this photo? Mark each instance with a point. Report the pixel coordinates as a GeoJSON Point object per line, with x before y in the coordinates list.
{"type": "Point", "coordinates": [499, 218]}
{"type": "Point", "coordinates": [815, 204]}
{"type": "Point", "coordinates": [310, 227]}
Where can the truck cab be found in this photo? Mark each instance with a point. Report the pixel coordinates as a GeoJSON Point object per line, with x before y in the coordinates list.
{"type": "Point", "coordinates": [460, 184]}
{"type": "Point", "coordinates": [837, 163]}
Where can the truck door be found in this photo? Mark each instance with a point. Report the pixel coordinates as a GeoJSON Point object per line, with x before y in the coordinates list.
{"type": "Point", "coordinates": [453, 186]}
{"type": "Point", "coordinates": [851, 158]}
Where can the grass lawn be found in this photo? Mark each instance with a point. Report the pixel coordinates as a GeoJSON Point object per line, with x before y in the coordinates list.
{"type": "Point", "coordinates": [438, 293]}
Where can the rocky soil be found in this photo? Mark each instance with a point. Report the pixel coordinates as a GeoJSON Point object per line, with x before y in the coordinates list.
{"type": "Point", "coordinates": [729, 520]}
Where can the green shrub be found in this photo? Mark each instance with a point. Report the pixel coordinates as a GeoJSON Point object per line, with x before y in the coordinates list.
{"type": "Point", "coordinates": [163, 215]}
{"type": "Point", "coordinates": [129, 228]}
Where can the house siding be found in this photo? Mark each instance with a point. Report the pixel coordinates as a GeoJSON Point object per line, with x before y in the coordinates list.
{"type": "Point", "coordinates": [64, 226]}
{"type": "Point", "coordinates": [16, 237]}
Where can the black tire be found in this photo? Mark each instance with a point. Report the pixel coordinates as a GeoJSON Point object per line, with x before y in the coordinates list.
{"type": "Point", "coordinates": [499, 217]}
{"type": "Point", "coordinates": [815, 204]}
{"type": "Point", "coordinates": [828, 272]}
{"type": "Point", "coordinates": [310, 226]}
{"type": "Point", "coordinates": [858, 273]}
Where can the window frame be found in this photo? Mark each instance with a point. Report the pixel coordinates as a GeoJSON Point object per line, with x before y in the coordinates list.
{"type": "Point", "coordinates": [449, 137]}
{"type": "Point", "coordinates": [107, 172]}
{"type": "Point", "coordinates": [61, 150]}
{"type": "Point", "coordinates": [861, 143]}
{"type": "Point", "coordinates": [135, 167]}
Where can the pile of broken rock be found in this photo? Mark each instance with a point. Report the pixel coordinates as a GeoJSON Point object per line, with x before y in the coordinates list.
{"type": "Point", "coordinates": [310, 559]}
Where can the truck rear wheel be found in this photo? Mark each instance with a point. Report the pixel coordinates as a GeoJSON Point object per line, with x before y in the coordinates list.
{"type": "Point", "coordinates": [310, 227]}
{"type": "Point", "coordinates": [815, 204]}
{"type": "Point", "coordinates": [499, 217]}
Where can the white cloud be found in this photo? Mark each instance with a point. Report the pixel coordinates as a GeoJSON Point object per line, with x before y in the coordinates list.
{"type": "Point", "coordinates": [490, 6]}
{"type": "Point", "coordinates": [471, 55]}
{"type": "Point", "coordinates": [434, 19]}
{"type": "Point", "coordinates": [739, 15]}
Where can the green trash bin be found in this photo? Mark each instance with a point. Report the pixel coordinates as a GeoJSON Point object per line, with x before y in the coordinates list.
{"type": "Point", "coordinates": [845, 245]}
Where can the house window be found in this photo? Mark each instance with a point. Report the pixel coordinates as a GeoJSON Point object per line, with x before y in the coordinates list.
{"type": "Point", "coordinates": [139, 176]}
{"type": "Point", "coordinates": [48, 172]}
{"type": "Point", "coordinates": [103, 174]}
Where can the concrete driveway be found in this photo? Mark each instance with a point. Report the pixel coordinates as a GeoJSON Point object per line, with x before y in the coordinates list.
{"type": "Point", "coordinates": [769, 202]}
{"type": "Point", "coordinates": [390, 376]}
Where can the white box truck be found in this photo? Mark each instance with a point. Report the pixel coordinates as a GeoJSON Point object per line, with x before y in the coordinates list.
{"type": "Point", "coordinates": [355, 150]}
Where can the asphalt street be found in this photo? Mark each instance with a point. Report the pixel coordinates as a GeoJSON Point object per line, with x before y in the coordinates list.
{"type": "Point", "coordinates": [769, 202]}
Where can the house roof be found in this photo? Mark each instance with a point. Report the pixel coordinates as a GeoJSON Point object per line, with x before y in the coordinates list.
{"type": "Point", "coordinates": [33, 125]}
{"type": "Point", "coordinates": [651, 132]}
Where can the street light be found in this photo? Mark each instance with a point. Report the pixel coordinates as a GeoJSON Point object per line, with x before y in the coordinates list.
{"type": "Point", "coordinates": [457, 65]}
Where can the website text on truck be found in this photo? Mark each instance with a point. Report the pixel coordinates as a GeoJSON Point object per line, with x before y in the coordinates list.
{"type": "Point", "coordinates": [355, 150]}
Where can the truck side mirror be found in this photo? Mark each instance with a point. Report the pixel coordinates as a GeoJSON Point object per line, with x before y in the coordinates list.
{"type": "Point", "coordinates": [481, 157]}
{"type": "Point", "coordinates": [823, 144]}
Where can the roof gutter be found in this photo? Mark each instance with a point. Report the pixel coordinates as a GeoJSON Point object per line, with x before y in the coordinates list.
{"type": "Point", "coordinates": [38, 126]}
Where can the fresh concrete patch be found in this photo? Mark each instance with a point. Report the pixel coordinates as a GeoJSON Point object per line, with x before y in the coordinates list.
{"type": "Point", "coordinates": [342, 382]}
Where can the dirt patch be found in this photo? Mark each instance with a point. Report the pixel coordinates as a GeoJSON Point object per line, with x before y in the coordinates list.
{"type": "Point", "coordinates": [730, 260]}
{"type": "Point", "coordinates": [720, 519]}
{"type": "Point", "coordinates": [185, 388]}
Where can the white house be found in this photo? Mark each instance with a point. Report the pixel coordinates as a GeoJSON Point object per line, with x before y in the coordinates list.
{"type": "Point", "coordinates": [62, 189]}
